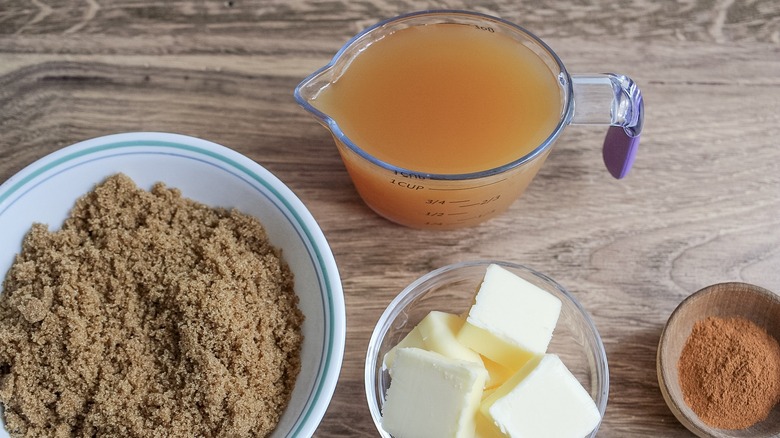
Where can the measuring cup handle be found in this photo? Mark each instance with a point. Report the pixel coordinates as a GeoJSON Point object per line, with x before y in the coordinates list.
{"type": "Point", "coordinates": [615, 100]}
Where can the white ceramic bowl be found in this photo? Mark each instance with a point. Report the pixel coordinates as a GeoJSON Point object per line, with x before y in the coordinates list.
{"type": "Point", "coordinates": [212, 174]}
{"type": "Point", "coordinates": [451, 289]}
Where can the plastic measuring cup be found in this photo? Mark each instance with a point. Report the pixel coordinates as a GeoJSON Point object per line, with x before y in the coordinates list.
{"type": "Point", "coordinates": [420, 199]}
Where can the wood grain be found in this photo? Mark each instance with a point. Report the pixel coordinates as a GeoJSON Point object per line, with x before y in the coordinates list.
{"type": "Point", "coordinates": [701, 206]}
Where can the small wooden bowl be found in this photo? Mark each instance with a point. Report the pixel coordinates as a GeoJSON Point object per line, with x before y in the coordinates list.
{"type": "Point", "coordinates": [724, 300]}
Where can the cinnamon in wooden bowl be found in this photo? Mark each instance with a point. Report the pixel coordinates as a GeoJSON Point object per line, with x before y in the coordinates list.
{"type": "Point", "coordinates": [719, 362]}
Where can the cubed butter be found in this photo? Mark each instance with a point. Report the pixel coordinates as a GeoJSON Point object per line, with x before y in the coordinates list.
{"type": "Point", "coordinates": [543, 399]}
{"type": "Point", "coordinates": [485, 428]}
{"type": "Point", "coordinates": [413, 339]}
{"type": "Point", "coordinates": [436, 332]}
{"type": "Point", "coordinates": [511, 320]}
{"type": "Point", "coordinates": [439, 331]}
{"type": "Point", "coordinates": [431, 396]}
{"type": "Point", "coordinates": [497, 373]}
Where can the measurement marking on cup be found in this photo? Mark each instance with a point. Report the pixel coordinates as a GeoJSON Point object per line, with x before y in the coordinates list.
{"type": "Point", "coordinates": [406, 184]}
{"type": "Point", "coordinates": [444, 201]}
{"type": "Point", "coordinates": [479, 216]}
{"type": "Point", "coordinates": [467, 188]}
{"type": "Point", "coordinates": [482, 202]}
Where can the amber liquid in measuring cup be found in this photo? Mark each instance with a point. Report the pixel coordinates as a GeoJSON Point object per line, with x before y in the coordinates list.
{"type": "Point", "coordinates": [443, 99]}
{"type": "Point", "coordinates": [443, 118]}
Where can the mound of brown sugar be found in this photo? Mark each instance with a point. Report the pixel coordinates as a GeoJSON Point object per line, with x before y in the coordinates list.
{"type": "Point", "coordinates": [147, 315]}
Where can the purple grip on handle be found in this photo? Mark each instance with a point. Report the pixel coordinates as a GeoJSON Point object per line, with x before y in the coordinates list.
{"type": "Point", "coordinates": [621, 142]}
{"type": "Point", "coordinates": [619, 151]}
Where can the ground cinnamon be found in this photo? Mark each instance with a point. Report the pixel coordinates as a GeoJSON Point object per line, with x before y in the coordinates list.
{"type": "Point", "coordinates": [729, 372]}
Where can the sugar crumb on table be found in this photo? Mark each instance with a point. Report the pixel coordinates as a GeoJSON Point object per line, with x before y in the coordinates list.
{"type": "Point", "coordinates": [147, 314]}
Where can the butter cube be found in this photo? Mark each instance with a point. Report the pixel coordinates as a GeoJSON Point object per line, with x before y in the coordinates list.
{"type": "Point", "coordinates": [543, 399]}
{"type": "Point", "coordinates": [485, 428]}
{"type": "Point", "coordinates": [497, 373]}
{"type": "Point", "coordinates": [432, 396]}
{"type": "Point", "coordinates": [439, 332]}
{"type": "Point", "coordinates": [436, 332]}
{"type": "Point", "coordinates": [511, 320]}
{"type": "Point", "coordinates": [413, 339]}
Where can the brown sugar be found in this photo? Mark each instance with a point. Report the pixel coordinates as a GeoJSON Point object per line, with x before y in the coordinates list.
{"type": "Point", "coordinates": [729, 372]}
{"type": "Point", "coordinates": [147, 315]}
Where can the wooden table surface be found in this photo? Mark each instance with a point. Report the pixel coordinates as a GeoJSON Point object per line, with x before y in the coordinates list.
{"type": "Point", "coordinates": [701, 206]}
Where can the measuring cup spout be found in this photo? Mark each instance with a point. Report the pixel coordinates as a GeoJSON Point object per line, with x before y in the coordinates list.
{"type": "Point", "coordinates": [615, 100]}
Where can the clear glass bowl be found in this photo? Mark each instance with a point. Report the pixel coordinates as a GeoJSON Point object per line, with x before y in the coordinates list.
{"type": "Point", "coordinates": [451, 289]}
